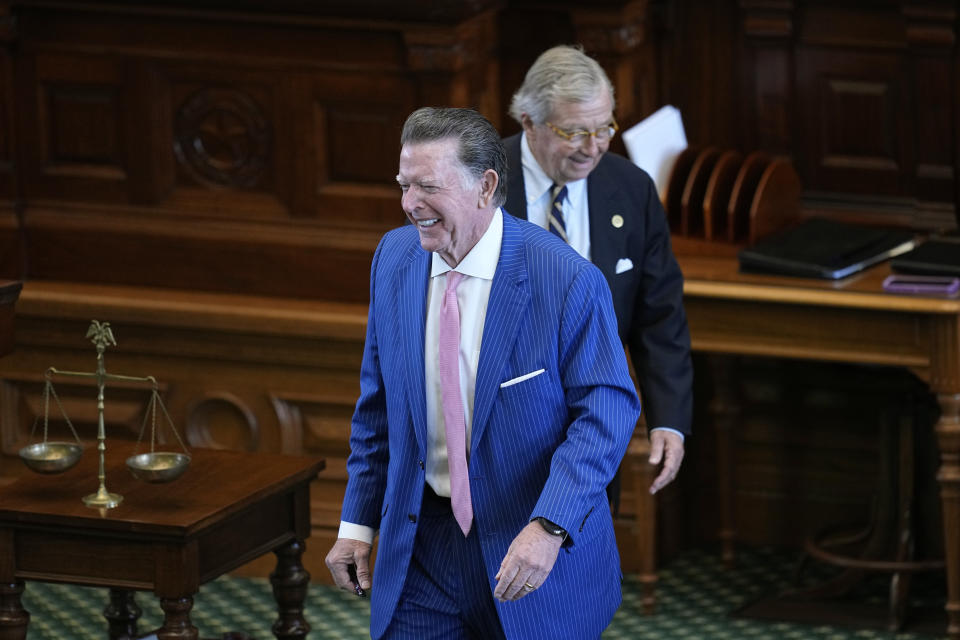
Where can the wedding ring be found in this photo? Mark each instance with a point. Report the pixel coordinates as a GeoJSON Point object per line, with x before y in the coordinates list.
{"type": "Point", "coordinates": [528, 587]}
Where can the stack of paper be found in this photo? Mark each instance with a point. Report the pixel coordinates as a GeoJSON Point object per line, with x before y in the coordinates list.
{"type": "Point", "coordinates": [654, 144]}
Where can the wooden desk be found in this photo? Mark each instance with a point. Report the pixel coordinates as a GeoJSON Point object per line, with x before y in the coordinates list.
{"type": "Point", "coordinates": [227, 509]}
{"type": "Point", "coordinates": [854, 321]}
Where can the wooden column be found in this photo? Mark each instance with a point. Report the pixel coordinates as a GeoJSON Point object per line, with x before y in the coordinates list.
{"type": "Point", "coordinates": [767, 71]}
{"type": "Point", "coordinates": [617, 33]}
{"type": "Point", "coordinates": [725, 411]}
{"type": "Point", "coordinates": [456, 66]}
{"type": "Point", "coordinates": [945, 381]}
{"type": "Point", "coordinates": [930, 60]}
{"type": "Point", "coordinates": [619, 37]}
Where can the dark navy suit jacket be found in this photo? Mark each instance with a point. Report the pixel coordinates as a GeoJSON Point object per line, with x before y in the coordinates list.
{"type": "Point", "coordinates": [648, 299]}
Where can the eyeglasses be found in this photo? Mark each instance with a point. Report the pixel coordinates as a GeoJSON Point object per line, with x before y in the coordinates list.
{"type": "Point", "coordinates": [603, 134]}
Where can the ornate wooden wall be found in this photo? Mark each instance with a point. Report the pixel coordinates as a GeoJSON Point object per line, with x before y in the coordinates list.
{"type": "Point", "coordinates": [248, 148]}
{"type": "Point", "coordinates": [861, 94]}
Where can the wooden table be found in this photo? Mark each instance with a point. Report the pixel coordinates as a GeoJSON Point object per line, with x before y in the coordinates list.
{"type": "Point", "coordinates": [852, 320]}
{"type": "Point", "coordinates": [227, 509]}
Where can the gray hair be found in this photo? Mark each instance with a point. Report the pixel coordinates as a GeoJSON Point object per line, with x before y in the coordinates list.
{"type": "Point", "coordinates": [480, 145]}
{"type": "Point", "coordinates": [561, 74]}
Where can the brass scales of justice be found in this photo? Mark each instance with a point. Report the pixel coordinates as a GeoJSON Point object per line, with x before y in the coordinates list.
{"type": "Point", "coordinates": [57, 457]}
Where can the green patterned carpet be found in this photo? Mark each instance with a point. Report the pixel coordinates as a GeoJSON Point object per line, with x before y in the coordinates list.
{"type": "Point", "coordinates": [696, 600]}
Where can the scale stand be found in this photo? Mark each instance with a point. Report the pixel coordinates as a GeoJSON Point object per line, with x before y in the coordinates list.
{"type": "Point", "coordinates": [156, 466]}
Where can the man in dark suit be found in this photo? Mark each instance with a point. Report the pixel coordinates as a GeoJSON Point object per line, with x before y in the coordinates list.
{"type": "Point", "coordinates": [561, 177]}
{"type": "Point", "coordinates": [479, 452]}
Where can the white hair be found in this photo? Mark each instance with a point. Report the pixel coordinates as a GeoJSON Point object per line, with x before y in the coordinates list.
{"type": "Point", "coordinates": [561, 74]}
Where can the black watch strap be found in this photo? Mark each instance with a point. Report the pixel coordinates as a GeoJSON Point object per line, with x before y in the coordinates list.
{"type": "Point", "coordinates": [551, 528]}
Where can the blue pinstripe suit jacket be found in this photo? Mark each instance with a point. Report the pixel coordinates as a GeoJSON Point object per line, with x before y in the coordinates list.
{"type": "Point", "coordinates": [546, 446]}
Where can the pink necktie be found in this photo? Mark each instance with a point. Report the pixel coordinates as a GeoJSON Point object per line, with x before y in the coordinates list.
{"type": "Point", "coordinates": [453, 417]}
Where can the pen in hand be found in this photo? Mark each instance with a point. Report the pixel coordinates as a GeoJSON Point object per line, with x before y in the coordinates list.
{"type": "Point", "coordinates": [357, 589]}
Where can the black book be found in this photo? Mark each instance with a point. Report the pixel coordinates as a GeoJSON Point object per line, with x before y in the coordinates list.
{"type": "Point", "coordinates": [933, 257]}
{"type": "Point", "coordinates": [821, 248]}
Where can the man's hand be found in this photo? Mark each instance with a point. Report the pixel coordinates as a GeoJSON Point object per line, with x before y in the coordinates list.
{"type": "Point", "coordinates": [667, 447]}
{"type": "Point", "coordinates": [527, 564]}
{"type": "Point", "coordinates": [350, 555]}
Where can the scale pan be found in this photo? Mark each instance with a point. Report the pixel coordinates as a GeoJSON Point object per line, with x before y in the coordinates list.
{"type": "Point", "coordinates": [51, 457]}
{"type": "Point", "coordinates": [160, 466]}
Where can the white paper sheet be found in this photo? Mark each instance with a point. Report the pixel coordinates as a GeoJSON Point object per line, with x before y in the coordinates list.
{"type": "Point", "coordinates": [654, 144]}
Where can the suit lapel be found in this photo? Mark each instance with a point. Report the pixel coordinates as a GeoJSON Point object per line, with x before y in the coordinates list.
{"type": "Point", "coordinates": [506, 310]}
{"type": "Point", "coordinates": [516, 204]}
{"type": "Point", "coordinates": [608, 242]}
{"type": "Point", "coordinates": [413, 280]}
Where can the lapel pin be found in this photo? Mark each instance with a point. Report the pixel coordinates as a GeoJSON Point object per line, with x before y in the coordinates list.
{"type": "Point", "coordinates": [617, 221]}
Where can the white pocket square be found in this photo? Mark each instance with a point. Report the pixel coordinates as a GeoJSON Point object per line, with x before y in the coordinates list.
{"type": "Point", "coordinates": [624, 264]}
{"type": "Point", "coordinates": [525, 376]}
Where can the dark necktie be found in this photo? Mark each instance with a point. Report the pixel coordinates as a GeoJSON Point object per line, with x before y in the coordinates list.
{"type": "Point", "coordinates": [555, 221]}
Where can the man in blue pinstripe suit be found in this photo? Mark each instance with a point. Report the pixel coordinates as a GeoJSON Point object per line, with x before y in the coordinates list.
{"type": "Point", "coordinates": [548, 409]}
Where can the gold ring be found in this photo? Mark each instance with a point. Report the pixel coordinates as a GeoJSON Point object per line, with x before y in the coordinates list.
{"type": "Point", "coordinates": [528, 586]}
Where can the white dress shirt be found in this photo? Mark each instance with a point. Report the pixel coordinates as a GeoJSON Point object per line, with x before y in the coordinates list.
{"type": "Point", "coordinates": [473, 293]}
{"type": "Point", "coordinates": [537, 186]}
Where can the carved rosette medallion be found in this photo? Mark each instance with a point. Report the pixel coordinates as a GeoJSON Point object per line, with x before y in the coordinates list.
{"type": "Point", "coordinates": [221, 138]}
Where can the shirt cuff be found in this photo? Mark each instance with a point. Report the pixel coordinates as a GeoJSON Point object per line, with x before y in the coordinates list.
{"type": "Point", "coordinates": [679, 433]}
{"type": "Point", "coordinates": [356, 532]}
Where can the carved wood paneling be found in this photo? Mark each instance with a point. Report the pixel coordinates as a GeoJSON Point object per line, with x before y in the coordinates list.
{"type": "Point", "coordinates": [809, 452]}
{"type": "Point", "coordinates": [932, 49]}
{"type": "Point", "coordinates": [616, 33]}
{"type": "Point", "coordinates": [225, 143]}
{"type": "Point", "coordinates": [163, 249]}
{"type": "Point", "coordinates": [356, 122]}
{"type": "Point", "coordinates": [695, 48]}
{"type": "Point", "coordinates": [242, 152]}
{"type": "Point", "coordinates": [619, 37]}
{"type": "Point", "coordinates": [211, 149]}
{"type": "Point", "coordinates": [7, 176]}
{"type": "Point", "coordinates": [11, 247]}
{"type": "Point", "coordinates": [7, 142]}
{"type": "Point", "coordinates": [222, 137]}
{"type": "Point", "coordinates": [319, 424]}
{"type": "Point", "coordinates": [789, 77]}
{"type": "Point", "coordinates": [221, 421]}
{"type": "Point", "coordinates": [768, 29]}
{"type": "Point", "coordinates": [859, 95]}
{"type": "Point", "coordinates": [75, 116]}
{"type": "Point", "coordinates": [855, 137]}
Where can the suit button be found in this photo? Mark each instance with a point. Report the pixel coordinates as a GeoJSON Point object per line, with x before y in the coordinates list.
{"type": "Point", "coordinates": [421, 464]}
{"type": "Point", "coordinates": [412, 516]}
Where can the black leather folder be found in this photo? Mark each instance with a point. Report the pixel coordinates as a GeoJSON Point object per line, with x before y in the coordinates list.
{"type": "Point", "coordinates": [822, 248]}
{"type": "Point", "coordinates": [933, 257]}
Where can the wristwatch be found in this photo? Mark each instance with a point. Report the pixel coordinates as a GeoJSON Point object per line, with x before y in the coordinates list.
{"type": "Point", "coordinates": [551, 528]}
